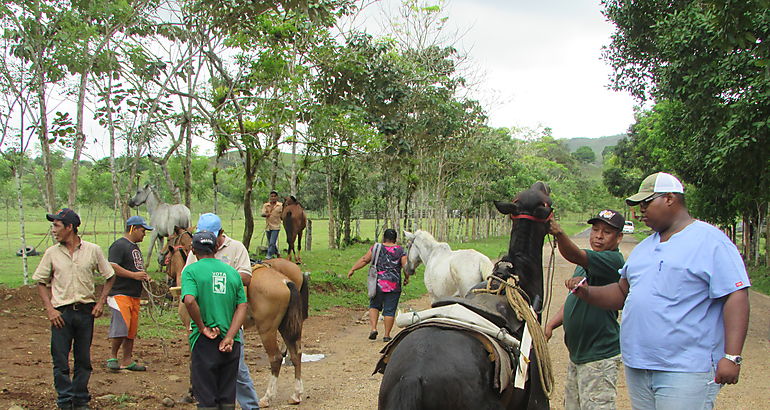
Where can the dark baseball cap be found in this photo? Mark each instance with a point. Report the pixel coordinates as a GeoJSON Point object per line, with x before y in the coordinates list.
{"type": "Point", "coordinates": [205, 241]}
{"type": "Point", "coordinates": [66, 215]}
{"type": "Point", "coordinates": [612, 218]}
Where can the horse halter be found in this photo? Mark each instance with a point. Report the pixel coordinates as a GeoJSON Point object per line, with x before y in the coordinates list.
{"type": "Point", "coordinates": [534, 218]}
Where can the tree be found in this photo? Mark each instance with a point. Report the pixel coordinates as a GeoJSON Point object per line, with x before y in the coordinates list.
{"type": "Point", "coordinates": [585, 155]}
{"type": "Point", "coordinates": [706, 64]}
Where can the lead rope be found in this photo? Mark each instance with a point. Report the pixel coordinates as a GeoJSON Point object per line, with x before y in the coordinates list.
{"type": "Point", "coordinates": [517, 299]}
{"type": "Point", "coordinates": [549, 273]}
{"type": "Point", "coordinates": [153, 307]}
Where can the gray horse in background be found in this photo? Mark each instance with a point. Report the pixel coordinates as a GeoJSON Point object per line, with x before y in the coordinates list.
{"type": "Point", "coordinates": [163, 217]}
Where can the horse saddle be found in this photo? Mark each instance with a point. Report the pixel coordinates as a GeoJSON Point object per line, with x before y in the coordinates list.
{"type": "Point", "coordinates": [483, 311]}
{"type": "Point", "coordinates": [502, 357]}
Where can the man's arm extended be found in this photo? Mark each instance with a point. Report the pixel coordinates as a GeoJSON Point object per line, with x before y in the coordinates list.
{"type": "Point", "coordinates": [608, 297]}
{"type": "Point", "coordinates": [567, 248]}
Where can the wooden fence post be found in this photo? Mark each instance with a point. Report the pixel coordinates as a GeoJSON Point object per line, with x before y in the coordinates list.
{"type": "Point", "coordinates": [309, 235]}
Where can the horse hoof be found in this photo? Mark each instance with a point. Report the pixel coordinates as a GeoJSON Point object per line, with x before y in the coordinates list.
{"type": "Point", "coordinates": [292, 401]}
{"type": "Point", "coordinates": [263, 403]}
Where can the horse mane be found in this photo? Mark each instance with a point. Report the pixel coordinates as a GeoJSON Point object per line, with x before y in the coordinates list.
{"type": "Point", "coordinates": [426, 236]}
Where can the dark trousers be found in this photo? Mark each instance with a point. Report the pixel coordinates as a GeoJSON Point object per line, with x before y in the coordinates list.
{"type": "Point", "coordinates": [76, 335]}
{"type": "Point", "coordinates": [214, 372]}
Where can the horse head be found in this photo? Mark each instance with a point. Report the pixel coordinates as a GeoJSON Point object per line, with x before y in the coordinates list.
{"type": "Point", "coordinates": [413, 259]}
{"type": "Point", "coordinates": [141, 196]}
{"type": "Point", "coordinates": [531, 211]}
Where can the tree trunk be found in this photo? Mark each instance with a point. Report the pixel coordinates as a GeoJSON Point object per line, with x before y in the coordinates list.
{"type": "Point", "coordinates": [293, 180]}
{"type": "Point", "coordinates": [22, 231]}
{"type": "Point", "coordinates": [330, 211]}
{"type": "Point", "coordinates": [767, 235]}
{"type": "Point", "coordinates": [248, 212]}
{"type": "Point", "coordinates": [49, 194]}
{"type": "Point", "coordinates": [116, 196]}
{"type": "Point", "coordinates": [188, 163]}
{"type": "Point", "coordinates": [80, 140]}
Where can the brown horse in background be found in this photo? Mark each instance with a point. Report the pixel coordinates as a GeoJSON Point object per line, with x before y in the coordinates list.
{"type": "Point", "coordinates": [174, 253]}
{"type": "Point", "coordinates": [294, 223]}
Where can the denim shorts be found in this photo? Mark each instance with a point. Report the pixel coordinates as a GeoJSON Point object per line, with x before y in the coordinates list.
{"type": "Point", "coordinates": [663, 390]}
{"type": "Point", "coordinates": [386, 302]}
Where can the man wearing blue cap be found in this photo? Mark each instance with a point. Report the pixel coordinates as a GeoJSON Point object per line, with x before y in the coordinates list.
{"type": "Point", "coordinates": [233, 253]}
{"type": "Point", "coordinates": [126, 259]}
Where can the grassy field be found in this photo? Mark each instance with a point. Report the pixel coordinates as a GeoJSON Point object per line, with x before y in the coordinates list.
{"type": "Point", "coordinates": [99, 226]}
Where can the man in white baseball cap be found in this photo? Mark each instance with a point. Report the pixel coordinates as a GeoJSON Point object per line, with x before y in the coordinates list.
{"type": "Point", "coordinates": [685, 304]}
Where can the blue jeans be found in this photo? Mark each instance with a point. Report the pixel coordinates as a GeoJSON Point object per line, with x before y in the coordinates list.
{"type": "Point", "coordinates": [76, 335]}
{"type": "Point", "coordinates": [662, 390]}
{"type": "Point", "coordinates": [244, 386]}
{"type": "Point", "coordinates": [272, 243]}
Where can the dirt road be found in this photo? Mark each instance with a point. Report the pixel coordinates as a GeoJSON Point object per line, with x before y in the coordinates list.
{"type": "Point", "coordinates": [342, 380]}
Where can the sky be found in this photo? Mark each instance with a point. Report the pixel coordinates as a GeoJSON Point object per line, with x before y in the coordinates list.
{"type": "Point", "coordinates": [533, 64]}
{"type": "Point", "coordinates": [540, 64]}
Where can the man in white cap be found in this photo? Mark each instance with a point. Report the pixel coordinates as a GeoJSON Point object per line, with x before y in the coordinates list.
{"type": "Point", "coordinates": [685, 304]}
{"type": "Point", "coordinates": [233, 253]}
{"type": "Point", "coordinates": [127, 262]}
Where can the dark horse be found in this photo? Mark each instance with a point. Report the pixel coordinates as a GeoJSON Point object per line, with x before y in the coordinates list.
{"type": "Point", "coordinates": [440, 368]}
{"type": "Point", "coordinates": [294, 222]}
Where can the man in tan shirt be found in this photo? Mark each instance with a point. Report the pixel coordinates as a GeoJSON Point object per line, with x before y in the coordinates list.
{"type": "Point", "coordinates": [66, 287]}
{"type": "Point", "coordinates": [271, 211]}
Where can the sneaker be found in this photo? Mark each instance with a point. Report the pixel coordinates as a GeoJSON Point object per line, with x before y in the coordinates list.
{"type": "Point", "coordinates": [373, 335]}
{"type": "Point", "coordinates": [387, 339]}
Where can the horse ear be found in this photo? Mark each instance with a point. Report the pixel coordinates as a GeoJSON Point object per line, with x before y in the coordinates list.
{"type": "Point", "coordinates": [408, 235]}
{"type": "Point", "coordinates": [542, 186]}
{"type": "Point", "coordinates": [507, 208]}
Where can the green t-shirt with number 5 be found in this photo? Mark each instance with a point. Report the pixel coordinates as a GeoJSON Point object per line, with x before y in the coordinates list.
{"type": "Point", "coordinates": [218, 289]}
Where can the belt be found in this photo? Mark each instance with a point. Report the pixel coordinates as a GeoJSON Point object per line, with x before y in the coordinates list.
{"type": "Point", "coordinates": [78, 306]}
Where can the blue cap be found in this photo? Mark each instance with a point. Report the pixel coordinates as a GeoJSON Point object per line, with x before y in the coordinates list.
{"type": "Point", "coordinates": [137, 220]}
{"type": "Point", "coordinates": [209, 222]}
{"type": "Point", "coordinates": [205, 241]}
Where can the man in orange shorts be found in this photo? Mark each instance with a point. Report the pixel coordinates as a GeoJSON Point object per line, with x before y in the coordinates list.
{"type": "Point", "coordinates": [126, 259]}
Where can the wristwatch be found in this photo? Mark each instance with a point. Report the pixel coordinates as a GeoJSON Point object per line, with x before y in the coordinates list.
{"type": "Point", "coordinates": [734, 358]}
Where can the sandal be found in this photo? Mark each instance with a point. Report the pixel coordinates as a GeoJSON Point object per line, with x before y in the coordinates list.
{"type": "Point", "coordinates": [135, 367]}
{"type": "Point", "coordinates": [373, 335]}
{"type": "Point", "coordinates": [113, 364]}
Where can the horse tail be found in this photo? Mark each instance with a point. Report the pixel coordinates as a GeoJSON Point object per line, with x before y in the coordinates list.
{"type": "Point", "coordinates": [304, 292]}
{"type": "Point", "coordinates": [291, 324]}
{"type": "Point", "coordinates": [406, 394]}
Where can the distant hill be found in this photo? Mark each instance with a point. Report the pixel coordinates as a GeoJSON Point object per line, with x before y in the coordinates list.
{"type": "Point", "coordinates": [596, 144]}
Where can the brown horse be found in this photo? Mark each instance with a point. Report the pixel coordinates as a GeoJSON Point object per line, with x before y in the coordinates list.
{"type": "Point", "coordinates": [278, 303]}
{"type": "Point", "coordinates": [294, 222]}
{"type": "Point", "coordinates": [174, 253]}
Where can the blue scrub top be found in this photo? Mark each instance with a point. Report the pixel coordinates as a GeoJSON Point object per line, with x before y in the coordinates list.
{"type": "Point", "coordinates": [672, 319]}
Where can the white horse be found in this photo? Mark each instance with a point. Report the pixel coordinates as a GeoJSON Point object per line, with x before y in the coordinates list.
{"type": "Point", "coordinates": [447, 272]}
{"type": "Point", "coordinates": [163, 217]}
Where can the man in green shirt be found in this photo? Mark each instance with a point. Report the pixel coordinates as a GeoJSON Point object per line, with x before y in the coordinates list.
{"type": "Point", "coordinates": [591, 333]}
{"type": "Point", "coordinates": [213, 294]}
